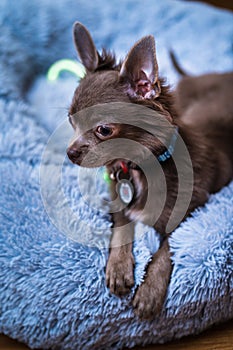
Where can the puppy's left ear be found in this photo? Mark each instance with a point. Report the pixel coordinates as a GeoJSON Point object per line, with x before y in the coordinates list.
{"type": "Point", "coordinates": [140, 69]}
{"type": "Point", "coordinates": [85, 47]}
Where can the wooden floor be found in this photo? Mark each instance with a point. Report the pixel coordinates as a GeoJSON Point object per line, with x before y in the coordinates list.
{"type": "Point", "coordinates": [217, 338]}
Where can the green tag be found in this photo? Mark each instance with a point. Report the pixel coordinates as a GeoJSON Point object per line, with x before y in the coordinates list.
{"type": "Point", "coordinates": [106, 177]}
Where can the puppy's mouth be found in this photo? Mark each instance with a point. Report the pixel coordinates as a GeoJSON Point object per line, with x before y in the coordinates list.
{"type": "Point", "coordinates": [117, 163]}
{"type": "Point", "coordinates": [85, 159]}
{"type": "Point", "coordinates": [90, 163]}
{"type": "Point", "coordinates": [95, 161]}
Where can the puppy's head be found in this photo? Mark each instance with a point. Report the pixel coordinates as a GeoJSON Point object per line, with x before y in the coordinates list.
{"type": "Point", "coordinates": [100, 109]}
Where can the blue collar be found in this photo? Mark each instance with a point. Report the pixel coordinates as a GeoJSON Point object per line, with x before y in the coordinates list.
{"type": "Point", "coordinates": [170, 149]}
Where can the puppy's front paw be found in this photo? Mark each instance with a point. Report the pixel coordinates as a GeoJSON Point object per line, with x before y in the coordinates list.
{"type": "Point", "coordinates": [148, 300]}
{"type": "Point", "coordinates": [120, 273]}
{"type": "Point", "coordinates": [150, 295]}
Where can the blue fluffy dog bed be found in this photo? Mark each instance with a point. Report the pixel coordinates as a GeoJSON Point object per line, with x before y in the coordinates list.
{"type": "Point", "coordinates": [54, 225]}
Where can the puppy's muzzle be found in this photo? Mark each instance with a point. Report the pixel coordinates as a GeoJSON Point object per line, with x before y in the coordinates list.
{"type": "Point", "coordinates": [76, 154]}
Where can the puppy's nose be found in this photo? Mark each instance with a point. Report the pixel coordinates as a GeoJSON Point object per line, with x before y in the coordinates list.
{"type": "Point", "coordinates": [73, 154]}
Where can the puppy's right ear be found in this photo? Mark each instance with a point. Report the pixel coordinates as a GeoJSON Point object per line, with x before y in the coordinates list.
{"type": "Point", "coordinates": [140, 69]}
{"type": "Point", "coordinates": [85, 47]}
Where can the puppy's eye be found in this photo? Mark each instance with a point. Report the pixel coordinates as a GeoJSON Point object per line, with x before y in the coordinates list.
{"type": "Point", "coordinates": [71, 121]}
{"type": "Point", "coordinates": [104, 131]}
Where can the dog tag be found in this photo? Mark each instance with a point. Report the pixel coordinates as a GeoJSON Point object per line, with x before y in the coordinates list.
{"type": "Point", "coordinates": [125, 190]}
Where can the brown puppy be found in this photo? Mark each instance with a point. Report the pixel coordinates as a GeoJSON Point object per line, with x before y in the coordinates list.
{"type": "Point", "coordinates": [197, 118]}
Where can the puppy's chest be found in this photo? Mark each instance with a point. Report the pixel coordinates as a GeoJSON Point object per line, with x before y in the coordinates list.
{"type": "Point", "coordinates": [145, 198]}
{"type": "Point", "coordinates": [146, 201]}
{"type": "Point", "coordinates": [132, 191]}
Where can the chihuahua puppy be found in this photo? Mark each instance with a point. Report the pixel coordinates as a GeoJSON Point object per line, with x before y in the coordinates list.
{"type": "Point", "coordinates": [197, 116]}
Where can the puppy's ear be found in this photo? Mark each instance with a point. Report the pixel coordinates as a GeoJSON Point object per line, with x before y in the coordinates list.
{"type": "Point", "coordinates": [85, 47]}
{"type": "Point", "coordinates": [140, 69]}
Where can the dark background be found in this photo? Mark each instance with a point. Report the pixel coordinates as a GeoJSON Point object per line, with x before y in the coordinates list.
{"type": "Point", "coordinates": [228, 4]}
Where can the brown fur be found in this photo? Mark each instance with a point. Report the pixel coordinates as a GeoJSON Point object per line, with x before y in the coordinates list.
{"type": "Point", "coordinates": [201, 107]}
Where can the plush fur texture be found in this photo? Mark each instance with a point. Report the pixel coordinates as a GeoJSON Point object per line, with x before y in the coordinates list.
{"type": "Point", "coordinates": [52, 282]}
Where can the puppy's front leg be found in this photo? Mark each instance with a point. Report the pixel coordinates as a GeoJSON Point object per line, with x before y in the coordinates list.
{"type": "Point", "coordinates": [120, 266]}
{"type": "Point", "coordinates": [150, 296]}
